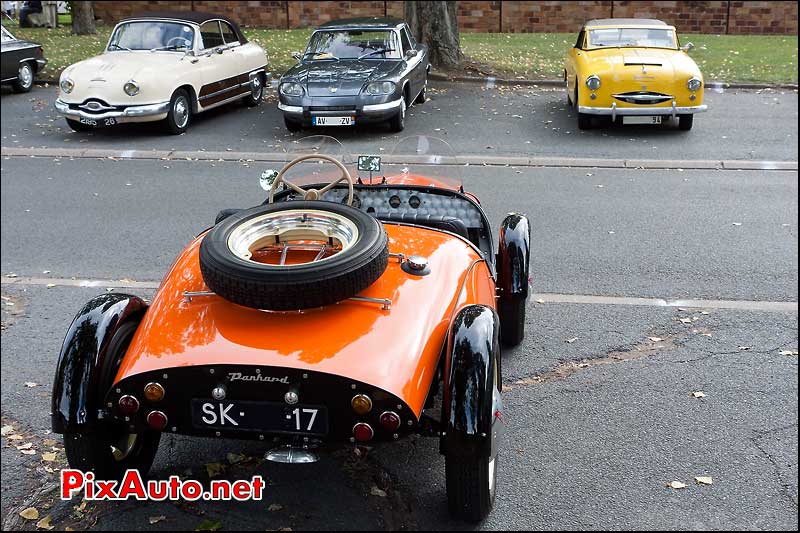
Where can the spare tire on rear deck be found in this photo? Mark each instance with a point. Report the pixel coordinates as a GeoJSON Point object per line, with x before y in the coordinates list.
{"type": "Point", "coordinates": [309, 254]}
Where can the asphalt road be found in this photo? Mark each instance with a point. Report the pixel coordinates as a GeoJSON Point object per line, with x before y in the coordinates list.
{"type": "Point", "coordinates": [472, 118]}
{"type": "Point", "coordinates": [600, 415]}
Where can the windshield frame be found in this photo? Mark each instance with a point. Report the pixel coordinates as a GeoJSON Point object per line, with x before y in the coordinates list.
{"type": "Point", "coordinates": [194, 28]}
{"type": "Point", "coordinates": [307, 54]}
{"type": "Point", "coordinates": [587, 45]}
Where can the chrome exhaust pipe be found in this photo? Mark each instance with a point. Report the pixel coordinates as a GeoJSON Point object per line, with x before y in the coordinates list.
{"type": "Point", "coordinates": [292, 454]}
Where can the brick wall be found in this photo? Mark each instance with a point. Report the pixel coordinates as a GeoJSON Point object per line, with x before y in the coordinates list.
{"type": "Point", "coordinates": [493, 16]}
{"type": "Point", "coordinates": [551, 16]}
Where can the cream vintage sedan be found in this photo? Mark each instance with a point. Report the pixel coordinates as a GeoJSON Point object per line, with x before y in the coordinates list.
{"type": "Point", "coordinates": [163, 67]}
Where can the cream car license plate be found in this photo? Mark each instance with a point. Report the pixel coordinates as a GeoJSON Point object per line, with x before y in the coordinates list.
{"type": "Point", "coordinates": [333, 121]}
{"type": "Point", "coordinates": [642, 120]}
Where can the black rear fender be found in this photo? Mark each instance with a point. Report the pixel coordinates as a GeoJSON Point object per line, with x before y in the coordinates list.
{"type": "Point", "coordinates": [84, 371]}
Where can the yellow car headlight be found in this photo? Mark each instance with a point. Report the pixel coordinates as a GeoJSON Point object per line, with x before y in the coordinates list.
{"type": "Point", "coordinates": [593, 82]}
{"type": "Point", "coordinates": [694, 84]}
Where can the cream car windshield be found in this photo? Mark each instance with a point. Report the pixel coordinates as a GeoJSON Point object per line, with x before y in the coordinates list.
{"type": "Point", "coordinates": [152, 36]}
{"type": "Point", "coordinates": [632, 37]}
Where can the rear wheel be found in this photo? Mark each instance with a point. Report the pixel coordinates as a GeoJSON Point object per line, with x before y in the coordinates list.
{"type": "Point", "coordinates": [24, 80]}
{"type": "Point", "coordinates": [423, 94]}
{"type": "Point", "coordinates": [398, 122]}
{"type": "Point", "coordinates": [110, 450]}
{"type": "Point", "coordinates": [180, 112]}
{"type": "Point", "coordinates": [470, 486]}
{"type": "Point", "coordinates": [685, 122]}
{"type": "Point", "coordinates": [78, 126]}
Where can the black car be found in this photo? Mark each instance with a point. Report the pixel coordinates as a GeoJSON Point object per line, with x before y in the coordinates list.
{"type": "Point", "coordinates": [21, 60]}
{"type": "Point", "coordinates": [355, 71]}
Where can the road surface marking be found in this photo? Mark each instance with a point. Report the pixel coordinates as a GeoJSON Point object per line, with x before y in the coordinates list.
{"type": "Point", "coordinates": [554, 298]}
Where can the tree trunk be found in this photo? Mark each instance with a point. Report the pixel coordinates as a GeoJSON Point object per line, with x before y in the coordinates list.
{"type": "Point", "coordinates": [436, 24]}
{"type": "Point", "coordinates": [82, 18]}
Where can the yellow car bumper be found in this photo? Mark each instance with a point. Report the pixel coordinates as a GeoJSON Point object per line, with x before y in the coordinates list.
{"type": "Point", "coordinates": [614, 110]}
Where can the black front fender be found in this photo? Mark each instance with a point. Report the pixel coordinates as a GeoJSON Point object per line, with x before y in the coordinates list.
{"type": "Point", "coordinates": [513, 257]}
{"type": "Point", "coordinates": [84, 371]}
{"type": "Point", "coordinates": [471, 409]}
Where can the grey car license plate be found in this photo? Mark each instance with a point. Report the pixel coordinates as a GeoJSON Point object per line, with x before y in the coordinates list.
{"type": "Point", "coordinates": [333, 121]}
{"type": "Point", "coordinates": [271, 417]}
{"type": "Point", "coordinates": [655, 119]}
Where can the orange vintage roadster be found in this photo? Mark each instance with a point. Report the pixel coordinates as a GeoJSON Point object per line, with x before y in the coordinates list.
{"type": "Point", "coordinates": [346, 310]}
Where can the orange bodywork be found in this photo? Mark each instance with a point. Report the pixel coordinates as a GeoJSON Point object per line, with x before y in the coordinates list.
{"type": "Point", "coordinates": [396, 350]}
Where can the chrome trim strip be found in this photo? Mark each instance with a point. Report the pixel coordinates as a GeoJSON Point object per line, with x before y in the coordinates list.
{"type": "Point", "coordinates": [129, 112]}
{"type": "Point", "coordinates": [614, 110]}
{"type": "Point", "coordinates": [642, 97]}
{"type": "Point", "coordinates": [382, 107]}
{"type": "Point", "coordinates": [223, 102]}
{"type": "Point", "coordinates": [290, 108]}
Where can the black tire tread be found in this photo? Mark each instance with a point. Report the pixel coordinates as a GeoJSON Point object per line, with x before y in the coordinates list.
{"type": "Point", "coordinates": [467, 480]}
{"type": "Point", "coordinates": [512, 320]}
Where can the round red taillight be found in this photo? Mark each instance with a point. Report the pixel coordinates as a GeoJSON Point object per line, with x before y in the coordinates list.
{"type": "Point", "coordinates": [128, 404]}
{"type": "Point", "coordinates": [362, 432]}
{"type": "Point", "coordinates": [390, 421]}
{"type": "Point", "coordinates": [157, 420]}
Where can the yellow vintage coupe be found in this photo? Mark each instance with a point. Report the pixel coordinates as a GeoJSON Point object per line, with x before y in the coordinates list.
{"type": "Point", "coordinates": [633, 71]}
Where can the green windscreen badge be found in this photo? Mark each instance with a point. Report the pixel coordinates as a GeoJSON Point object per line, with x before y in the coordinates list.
{"type": "Point", "coordinates": [369, 163]}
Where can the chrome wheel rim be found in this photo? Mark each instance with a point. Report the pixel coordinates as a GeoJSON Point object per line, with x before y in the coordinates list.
{"type": "Point", "coordinates": [181, 111]}
{"type": "Point", "coordinates": [257, 88]}
{"type": "Point", "coordinates": [402, 109]}
{"type": "Point", "coordinates": [296, 236]}
{"type": "Point", "coordinates": [25, 75]}
{"type": "Point", "coordinates": [123, 447]}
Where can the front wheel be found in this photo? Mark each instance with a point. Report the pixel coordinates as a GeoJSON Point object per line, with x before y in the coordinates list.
{"type": "Point", "coordinates": [398, 122]}
{"type": "Point", "coordinates": [256, 92]}
{"type": "Point", "coordinates": [180, 112]}
{"type": "Point", "coordinates": [24, 80]}
{"type": "Point", "coordinates": [292, 125]}
{"type": "Point", "coordinates": [685, 122]}
{"type": "Point", "coordinates": [470, 486]}
{"type": "Point", "coordinates": [512, 320]}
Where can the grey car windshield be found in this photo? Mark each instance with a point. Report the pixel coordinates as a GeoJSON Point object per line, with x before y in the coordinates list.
{"type": "Point", "coordinates": [353, 44]}
{"type": "Point", "coordinates": [152, 35]}
{"type": "Point", "coordinates": [638, 37]}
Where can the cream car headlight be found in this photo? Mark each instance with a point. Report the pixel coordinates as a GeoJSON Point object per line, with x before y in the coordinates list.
{"type": "Point", "coordinates": [131, 88]}
{"type": "Point", "coordinates": [66, 85]}
{"type": "Point", "coordinates": [694, 84]}
{"type": "Point", "coordinates": [291, 89]}
{"type": "Point", "coordinates": [593, 82]}
{"type": "Point", "coordinates": [379, 87]}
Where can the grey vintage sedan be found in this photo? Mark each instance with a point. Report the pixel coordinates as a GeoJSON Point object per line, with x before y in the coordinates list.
{"type": "Point", "coordinates": [21, 60]}
{"type": "Point", "coordinates": [355, 71]}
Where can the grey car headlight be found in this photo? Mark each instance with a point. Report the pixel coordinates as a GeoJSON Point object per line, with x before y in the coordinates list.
{"type": "Point", "coordinates": [593, 82]}
{"type": "Point", "coordinates": [291, 89]}
{"type": "Point", "coordinates": [379, 87]}
{"type": "Point", "coordinates": [66, 85]}
{"type": "Point", "coordinates": [694, 84]}
{"type": "Point", "coordinates": [131, 88]}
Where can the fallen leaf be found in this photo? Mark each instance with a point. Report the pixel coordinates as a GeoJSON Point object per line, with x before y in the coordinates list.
{"type": "Point", "coordinates": [44, 523]}
{"type": "Point", "coordinates": [31, 384]}
{"type": "Point", "coordinates": [788, 352]}
{"type": "Point", "coordinates": [539, 301]}
{"type": "Point", "coordinates": [215, 469]}
{"type": "Point", "coordinates": [704, 480]}
{"type": "Point", "coordinates": [570, 341]}
{"type": "Point", "coordinates": [699, 394]}
{"type": "Point", "coordinates": [208, 525]}
{"type": "Point", "coordinates": [6, 430]}
{"type": "Point", "coordinates": [234, 458]}
{"type": "Point", "coordinates": [25, 446]}
{"type": "Point", "coordinates": [744, 348]}
{"type": "Point", "coordinates": [49, 456]}
{"type": "Point", "coordinates": [375, 491]}
{"type": "Point", "coordinates": [676, 485]}
{"type": "Point", "coordinates": [28, 452]}
{"type": "Point", "coordinates": [156, 519]}
{"type": "Point", "coordinates": [655, 339]}
{"type": "Point", "coordinates": [50, 285]}
{"type": "Point", "coordinates": [31, 513]}
{"type": "Point", "coordinates": [15, 437]}
{"type": "Point", "coordinates": [737, 223]}
{"type": "Point", "coordinates": [275, 507]}
{"type": "Point", "coordinates": [685, 320]}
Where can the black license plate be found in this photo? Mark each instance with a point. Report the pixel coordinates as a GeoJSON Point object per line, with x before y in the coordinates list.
{"type": "Point", "coordinates": [269, 417]}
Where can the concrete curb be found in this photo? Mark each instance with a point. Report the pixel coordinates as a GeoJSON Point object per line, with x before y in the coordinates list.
{"type": "Point", "coordinates": [466, 160]}
{"type": "Point", "coordinates": [490, 81]}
